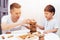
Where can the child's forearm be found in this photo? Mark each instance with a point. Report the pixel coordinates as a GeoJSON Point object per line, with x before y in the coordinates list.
{"type": "Point", "coordinates": [51, 31]}
{"type": "Point", "coordinates": [54, 30]}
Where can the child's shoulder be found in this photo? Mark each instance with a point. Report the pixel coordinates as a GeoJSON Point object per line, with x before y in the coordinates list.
{"type": "Point", "coordinates": [54, 20]}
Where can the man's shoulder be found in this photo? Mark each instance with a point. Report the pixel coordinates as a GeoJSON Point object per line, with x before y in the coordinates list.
{"type": "Point", "coordinates": [5, 16]}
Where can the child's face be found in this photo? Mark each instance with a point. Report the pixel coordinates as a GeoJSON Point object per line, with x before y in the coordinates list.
{"type": "Point", "coordinates": [48, 15]}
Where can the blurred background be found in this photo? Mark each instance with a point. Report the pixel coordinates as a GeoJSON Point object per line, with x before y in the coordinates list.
{"type": "Point", "coordinates": [3, 10]}
{"type": "Point", "coordinates": [33, 9]}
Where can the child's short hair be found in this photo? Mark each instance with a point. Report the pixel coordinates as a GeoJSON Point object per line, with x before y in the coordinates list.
{"type": "Point", "coordinates": [50, 8]}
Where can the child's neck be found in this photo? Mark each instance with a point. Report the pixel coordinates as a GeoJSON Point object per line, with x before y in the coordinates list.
{"type": "Point", "coordinates": [49, 19]}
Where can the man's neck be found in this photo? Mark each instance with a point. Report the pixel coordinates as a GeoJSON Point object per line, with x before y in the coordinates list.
{"type": "Point", "coordinates": [13, 19]}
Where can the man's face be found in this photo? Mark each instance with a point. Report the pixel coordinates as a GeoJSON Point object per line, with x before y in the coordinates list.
{"type": "Point", "coordinates": [48, 15]}
{"type": "Point", "coordinates": [16, 13]}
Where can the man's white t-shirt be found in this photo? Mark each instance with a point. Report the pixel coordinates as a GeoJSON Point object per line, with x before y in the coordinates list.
{"type": "Point", "coordinates": [7, 19]}
{"type": "Point", "coordinates": [49, 25]}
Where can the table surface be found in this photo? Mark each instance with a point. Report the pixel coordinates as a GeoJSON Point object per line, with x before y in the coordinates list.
{"type": "Point", "coordinates": [50, 36]}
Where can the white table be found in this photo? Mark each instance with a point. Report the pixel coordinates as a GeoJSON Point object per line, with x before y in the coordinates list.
{"type": "Point", "coordinates": [51, 36]}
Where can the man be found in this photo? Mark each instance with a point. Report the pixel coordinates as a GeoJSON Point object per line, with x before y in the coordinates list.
{"type": "Point", "coordinates": [12, 22]}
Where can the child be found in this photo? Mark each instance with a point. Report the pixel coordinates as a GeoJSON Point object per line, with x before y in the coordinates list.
{"type": "Point", "coordinates": [50, 24]}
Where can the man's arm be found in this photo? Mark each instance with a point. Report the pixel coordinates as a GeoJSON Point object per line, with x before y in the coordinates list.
{"type": "Point", "coordinates": [41, 27]}
{"type": "Point", "coordinates": [6, 26]}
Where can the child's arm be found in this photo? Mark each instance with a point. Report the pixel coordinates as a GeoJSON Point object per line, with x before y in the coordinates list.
{"type": "Point", "coordinates": [51, 31]}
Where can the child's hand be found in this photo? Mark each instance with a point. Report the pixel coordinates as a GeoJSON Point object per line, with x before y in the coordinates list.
{"type": "Point", "coordinates": [46, 32]}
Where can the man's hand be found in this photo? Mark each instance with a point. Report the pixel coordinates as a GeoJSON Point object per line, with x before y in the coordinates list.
{"type": "Point", "coordinates": [26, 21]}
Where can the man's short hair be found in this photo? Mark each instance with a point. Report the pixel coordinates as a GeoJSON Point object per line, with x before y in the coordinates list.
{"type": "Point", "coordinates": [15, 5]}
{"type": "Point", "coordinates": [50, 8]}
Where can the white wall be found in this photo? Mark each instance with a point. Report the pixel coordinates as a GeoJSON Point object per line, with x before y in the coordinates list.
{"type": "Point", "coordinates": [34, 8]}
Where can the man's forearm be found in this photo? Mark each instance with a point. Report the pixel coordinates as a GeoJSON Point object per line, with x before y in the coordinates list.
{"type": "Point", "coordinates": [9, 26]}
{"type": "Point", "coordinates": [41, 27]}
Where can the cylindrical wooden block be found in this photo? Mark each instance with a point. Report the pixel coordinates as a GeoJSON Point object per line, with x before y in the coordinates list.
{"type": "Point", "coordinates": [41, 38]}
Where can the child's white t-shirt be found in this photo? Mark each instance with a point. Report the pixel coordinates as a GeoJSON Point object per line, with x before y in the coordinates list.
{"type": "Point", "coordinates": [7, 19]}
{"type": "Point", "coordinates": [48, 25]}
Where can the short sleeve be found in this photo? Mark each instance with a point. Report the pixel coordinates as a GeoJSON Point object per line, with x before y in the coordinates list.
{"type": "Point", "coordinates": [4, 19]}
{"type": "Point", "coordinates": [55, 24]}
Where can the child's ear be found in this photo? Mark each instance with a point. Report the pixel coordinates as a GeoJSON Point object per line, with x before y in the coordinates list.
{"type": "Point", "coordinates": [53, 13]}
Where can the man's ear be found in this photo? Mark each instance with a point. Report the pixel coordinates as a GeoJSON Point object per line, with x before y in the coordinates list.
{"type": "Point", "coordinates": [10, 11]}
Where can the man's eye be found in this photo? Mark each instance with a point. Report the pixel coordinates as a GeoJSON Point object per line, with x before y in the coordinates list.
{"type": "Point", "coordinates": [45, 13]}
{"type": "Point", "coordinates": [16, 13]}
